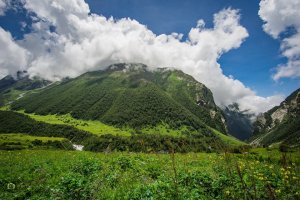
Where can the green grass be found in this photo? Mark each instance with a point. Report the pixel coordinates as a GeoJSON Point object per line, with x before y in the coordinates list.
{"type": "Point", "coordinates": [228, 139]}
{"type": "Point", "coordinates": [19, 137]}
{"type": "Point", "coordinates": [48, 174]}
{"type": "Point", "coordinates": [99, 128]}
{"type": "Point", "coordinates": [23, 141]}
{"type": "Point", "coordinates": [95, 127]}
{"type": "Point", "coordinates": [274, 153]}
{"type": "Point", "coordinates": [5, 108]}
{"type": "Point", "coordinates": [165, 129]}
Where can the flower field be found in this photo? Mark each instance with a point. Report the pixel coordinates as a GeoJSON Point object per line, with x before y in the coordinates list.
{"type": "Point", "coordinates": [57, 174]}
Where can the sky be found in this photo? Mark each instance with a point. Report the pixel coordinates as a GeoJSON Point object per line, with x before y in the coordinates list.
{"type": "Point", "coordinates": [244, 51]}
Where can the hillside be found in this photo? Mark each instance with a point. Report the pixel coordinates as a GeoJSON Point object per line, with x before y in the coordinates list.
{"type": "Point", "coordinates": [281, 124]}
{"type": "Point", "coordinates": [130, 95]}
{"type": "Point", "coordinates": [12, 122]}
{"type": "Point", "coordinates": [12, 88]}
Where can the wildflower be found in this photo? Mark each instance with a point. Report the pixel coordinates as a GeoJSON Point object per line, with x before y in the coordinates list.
{"type": "Point", "coordinates": [11, 186]}
{"type": "Point", "coordinates": [227, 192]}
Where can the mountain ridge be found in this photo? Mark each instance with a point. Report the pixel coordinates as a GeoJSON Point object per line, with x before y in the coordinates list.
{"type": "Point", "coordinates": [130, 94]}
{"type": "Point", "coordinates": [280, 124]}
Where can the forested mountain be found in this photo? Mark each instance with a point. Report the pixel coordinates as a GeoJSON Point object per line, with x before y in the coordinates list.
{"type": "Point", "coordinates": [281, 124]}
{"type": "Point", "coordinates": [130, 95]}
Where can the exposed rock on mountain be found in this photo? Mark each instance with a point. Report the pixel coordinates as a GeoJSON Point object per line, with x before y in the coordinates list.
{"type": "Point", "coordinates": [281, 124]}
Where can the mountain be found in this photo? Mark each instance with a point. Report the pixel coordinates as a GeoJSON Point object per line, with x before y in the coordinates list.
{"type": "Point", "coordinates": [12, 88]}
{"type": "Point", "coordinates": [281, 124]}
{"type": "Point", "coordinates": [238, 122]}
{"type": "Point", "coordinates": [130, 95]}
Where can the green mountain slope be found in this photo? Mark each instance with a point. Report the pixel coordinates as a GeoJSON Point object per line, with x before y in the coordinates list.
{"type": "Point", "coordinates": [130, 95]}
{"type": "Point", "coordinates": [281, 124]}
{"type": "Point", "coordinates": [12, 122]}
{"type": "Point", "coordinates": [13, 88]}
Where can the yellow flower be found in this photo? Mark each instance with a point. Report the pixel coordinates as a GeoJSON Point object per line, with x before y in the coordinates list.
{"type": "Point", "coordinates": [227, 192]}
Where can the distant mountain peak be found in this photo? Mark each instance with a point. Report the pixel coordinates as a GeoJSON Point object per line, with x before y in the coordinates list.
{"type": "Point", "coordinates": [239, 122]}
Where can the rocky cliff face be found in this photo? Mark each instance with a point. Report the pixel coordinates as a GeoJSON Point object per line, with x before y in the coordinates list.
{"type": "Point", "coordinates": [280, 124]}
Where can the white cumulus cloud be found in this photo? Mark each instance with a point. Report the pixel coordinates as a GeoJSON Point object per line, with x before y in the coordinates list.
{"type": "Point", "coordinates": [12, 56]}
{"type": "Point", "coordinates": [279, 16]}
{"type": "Point", "coordinates": [84, 41]}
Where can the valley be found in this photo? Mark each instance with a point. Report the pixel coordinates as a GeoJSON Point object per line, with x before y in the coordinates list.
{"type": "Point", "coordinates": [149, 100]}
{"type": "Point", "coordinates": [130, 133]}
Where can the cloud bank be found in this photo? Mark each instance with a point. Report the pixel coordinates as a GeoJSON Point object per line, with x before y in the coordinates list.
{"type": "Point", "coordinates": [68, 40]}
{"type": "Point", "coordinates": [2, 7]}
{"type": "Point", "coordinates": [12, 56]}
{"type": "Point", "coordinates": [279, 16]}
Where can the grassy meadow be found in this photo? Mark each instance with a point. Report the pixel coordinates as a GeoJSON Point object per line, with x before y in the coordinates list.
{"type": "Point", "coordinates": [50, 174]}
{"type": "Point", "coordinates": [99, 128]}
{"type": "Point", "coordinates": [35, 166]}
{"type": "Point", "coordinates": [18, 141]}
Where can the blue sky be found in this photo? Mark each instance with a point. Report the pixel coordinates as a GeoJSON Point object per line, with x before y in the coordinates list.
{"type": "Point", "coordinates": [51, 54]}
{"type": "Point", "coordinates": [252, 63]}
